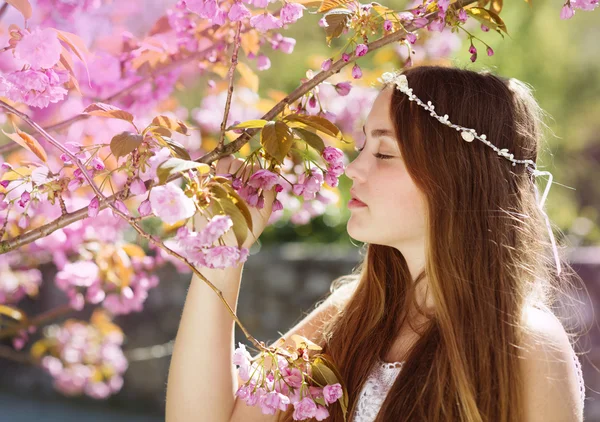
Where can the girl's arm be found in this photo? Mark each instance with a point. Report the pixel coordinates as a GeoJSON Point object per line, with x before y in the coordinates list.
{"type": "Point", "coordinates": [202, 378]}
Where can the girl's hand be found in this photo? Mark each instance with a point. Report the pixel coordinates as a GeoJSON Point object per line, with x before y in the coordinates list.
{"type": "Point", "coordinates": [229, 165]}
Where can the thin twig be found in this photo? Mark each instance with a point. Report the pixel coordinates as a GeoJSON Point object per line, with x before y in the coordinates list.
{"type": "Point", "coordinates": [132, 221]}
{"type": "Point", "coordinates": [38, 320]}
{"type": "Point", "coordinates": [234, 62]}
{"type": "Point", "coordinates": [3, 9]}
{"type": "Point", "coordinates": [8, 353]}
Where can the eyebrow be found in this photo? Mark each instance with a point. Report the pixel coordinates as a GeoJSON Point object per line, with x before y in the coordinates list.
{"type": "Point", "coordinates": [377, 133]}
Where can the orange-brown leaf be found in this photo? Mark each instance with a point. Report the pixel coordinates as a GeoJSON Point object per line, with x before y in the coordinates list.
{"type": "Point", "coordinates": [22, 6]}
{"type": "Point", "coordinates": [29, 143]}
{"type": "Point", "coordinates": [106, 110]}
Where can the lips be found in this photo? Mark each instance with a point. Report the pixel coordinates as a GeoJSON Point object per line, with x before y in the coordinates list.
{"type": "Point", "coordinates": [355, 197]}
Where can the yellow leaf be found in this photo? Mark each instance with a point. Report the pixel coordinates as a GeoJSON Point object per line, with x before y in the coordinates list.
{"type": "Point", "coordinates": [496, 6]}
{"type": "Point", "coordinates": [332, 4]}
{"type": "Point", "coordinates": [170, 123]}
{"type": "Point", "coordinates": [249, 78]}
{"type": "Point", "coordinates": [276, 139]}
{"type": "Point", "coordinates": [303, 341]}
{"type": "Point", "coordinates": [28, 142]}
{"type": "Point", "coordinates": [249, 124]}
{"type": "Point", "coordinates": [38, 349]}
{"type": "Point", "coordinates": [488, 18]}
{"type": "Point", "coordinates": [250, 42]}
{"type": "Point", "coordinates": [22, 6]}
{"type": "Point", "coordinates": [13, 313]}
{"type": "Point", "coordinates": [133, 250]}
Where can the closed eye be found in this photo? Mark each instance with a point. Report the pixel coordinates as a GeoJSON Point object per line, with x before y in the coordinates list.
{"type": "Point", "coordinates": [377, 155]}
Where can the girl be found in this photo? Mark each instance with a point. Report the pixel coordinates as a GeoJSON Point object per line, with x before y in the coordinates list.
{"type": "Point", "coordinates": [448, 317]}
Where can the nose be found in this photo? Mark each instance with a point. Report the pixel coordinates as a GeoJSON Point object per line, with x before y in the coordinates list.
{"type": "Point", "coordinates": [355, 171]}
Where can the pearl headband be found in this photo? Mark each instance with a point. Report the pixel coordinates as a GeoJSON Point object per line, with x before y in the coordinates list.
{"type": "Point", "coordinates": [468, 134]}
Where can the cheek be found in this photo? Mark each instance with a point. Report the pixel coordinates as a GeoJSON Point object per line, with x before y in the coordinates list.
{"type": "Point", "coordinates": [401, 205]}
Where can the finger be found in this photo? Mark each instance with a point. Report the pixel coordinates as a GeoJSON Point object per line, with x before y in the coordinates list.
{"type": "Point", "coordinates": [223, 164]}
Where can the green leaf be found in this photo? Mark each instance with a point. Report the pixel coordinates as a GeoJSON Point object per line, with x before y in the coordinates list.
{"type": "Point", "coordinates": [249, 124]}
{"type": "Point", "coordinates": [106, 110]}
{"type": "Point", "coordinates": [242, 206]}
{"type": "Point", "coordinates": [310, 138]}
{"type": "Point", "coordinates": [240, 228]}
{"type": "Point", "coordinates": [328, 361]}
{"type": "Point", "coordinates": [125, 142]}
{"type": "Point", "coordinates": [177, 165]}
{"type": "Point", "coordinates": [177, 150]}
{"type": "Point", "coordinates": [337, 20]}
{"type": "Point", "coordinates": [277, 139]}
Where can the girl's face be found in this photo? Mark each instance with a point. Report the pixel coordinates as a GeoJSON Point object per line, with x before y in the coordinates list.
{"type": "Point", "coordinates": [395, 209]}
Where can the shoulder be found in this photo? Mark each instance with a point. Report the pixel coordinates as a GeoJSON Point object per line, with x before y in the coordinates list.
{"type": "Point", "coordinates": [550, 376]}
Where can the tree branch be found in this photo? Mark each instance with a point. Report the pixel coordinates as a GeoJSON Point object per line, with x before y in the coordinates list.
{"type": "Point", "coordinates": [232, 147]}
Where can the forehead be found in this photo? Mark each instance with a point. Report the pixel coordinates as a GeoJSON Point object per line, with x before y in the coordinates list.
{"type": "Point", "coordinates": [379, 116]}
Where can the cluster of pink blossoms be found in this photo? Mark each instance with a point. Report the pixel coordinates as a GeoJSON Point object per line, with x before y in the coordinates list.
{"type": "Point", "coordinates": [84, 359]}
{"type": "Point", "coordinates": [82, 282]}
{"type": "Point", "coordinates": [335, 165]}
{"type": "Point", "coordinates": [199, 249]}
{"type": "Point", "coordinates": [16, 282]}
{"type": "Point", "coordinates": [37, 83]}
{"type": "Point", "coordinates": [568, 10]}
{"type": "Point", "coordinates": [277, 389]}
{"type": "Point", "coordinates": [260, 181]}
{"type": "Point", "coordinates": [219, 14]}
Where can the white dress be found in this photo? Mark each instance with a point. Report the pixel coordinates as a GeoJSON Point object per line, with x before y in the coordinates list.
{"type": "Point", "coordinates": [382, 378]}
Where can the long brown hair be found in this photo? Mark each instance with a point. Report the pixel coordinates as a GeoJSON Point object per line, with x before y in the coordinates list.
{"type": "Point", "coordinates": [488, 258]}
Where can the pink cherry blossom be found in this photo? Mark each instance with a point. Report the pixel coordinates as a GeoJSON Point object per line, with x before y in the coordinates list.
{"type": "Point", "coordinates": [265, 22]}
{"type": "Point", "coordinates": [37, 88]}
{"type": "Point", "coordinates": [273, 401]}
{"type": "Point", "coordinates": [145, 208]}
{"type": "Point", "coordinates": [567, 12]}
{"type": "Point", "coordinates": [204, 8]}
{"type": "Point", "coordinates": [238, 12]}
{"type": "Point", "coordinates": [171, 204]}
{"type": "Point", "coordinates": [587, 5]}
{"type": "Point", "coordinates": [137, 187]}
{"type": "Point", "coordinates": [263, 179]}
{"type": "Point", "coordinates": [356, 72]}
{"type": "Point", "coordinates": [40, 48]}
{"type": "Point", "coordinates": [263, 62]}
{"type": "Point", "coordinates": [216, 227]}
{"type": "Point", "coordinates": [287, 44]}
{"type": "Point", "coordinates": [304, 409]}
{"type": "Point", "coordinates": [322, 413]}
{"type": "Point", "coordinates": [343, 88]}
{"type": "Point", "coordinates": [291, 12]}
{"type": "Point", "coordinates": [361, 50]}
{"type": "Point", "coordinates": [93, 207]}
{"type": "Point", "coordinates": [332, 392]}
{"type": "Point", "coordinates": [326, 65]}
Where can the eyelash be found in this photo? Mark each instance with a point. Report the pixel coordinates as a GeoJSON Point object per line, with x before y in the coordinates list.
{"type": "Point", "coordinates": [378, 155]}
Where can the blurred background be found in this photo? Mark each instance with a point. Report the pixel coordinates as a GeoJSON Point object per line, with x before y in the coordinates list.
{"type": "Point", "coordinates": [295, 261]}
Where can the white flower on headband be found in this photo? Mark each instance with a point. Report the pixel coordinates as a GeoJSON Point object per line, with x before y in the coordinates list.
{"type": "Point", "coordinates": [395, 78]}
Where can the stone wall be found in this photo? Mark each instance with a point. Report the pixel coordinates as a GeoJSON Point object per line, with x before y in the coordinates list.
{"type": "Point", "coordinates": [280, 285]}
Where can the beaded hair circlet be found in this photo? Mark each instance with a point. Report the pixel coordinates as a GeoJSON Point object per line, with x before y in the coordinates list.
{"type": "Point", "coordinates": [468, 134]}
